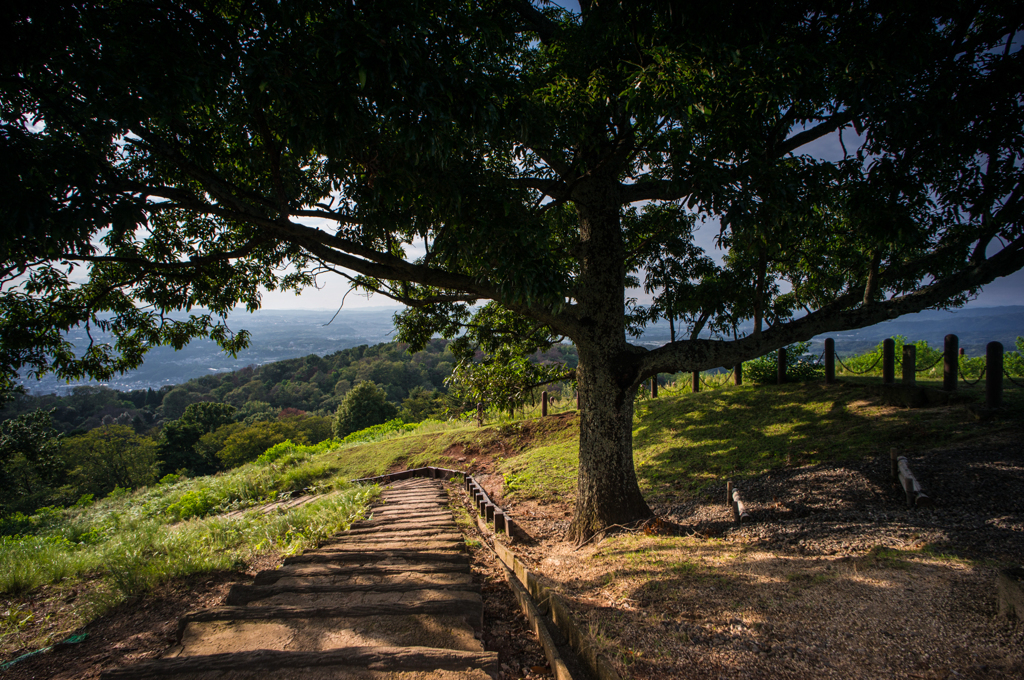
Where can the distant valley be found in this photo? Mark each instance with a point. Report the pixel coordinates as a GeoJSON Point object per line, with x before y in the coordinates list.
{"type": "Point", "coordinates": [286, 334]}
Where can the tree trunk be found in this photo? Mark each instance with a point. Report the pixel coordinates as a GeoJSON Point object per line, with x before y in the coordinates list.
{"type": "Point", "coordinates": [607, 492]}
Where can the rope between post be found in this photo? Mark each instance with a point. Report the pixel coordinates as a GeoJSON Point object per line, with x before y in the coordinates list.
{"type": "Point", "coordinates": [869, 368]}
{"type": "Point", "coordinates": [968, 382]}
{"type": "Point", "coordinates": [934, 364]}
{"type": "Point", "coordinates": [1009, 377]}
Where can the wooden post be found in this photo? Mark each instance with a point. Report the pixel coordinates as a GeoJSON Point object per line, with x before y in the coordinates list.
{"type": "Point", "coordinates": [782, 366]}
{"type": "Point", "coordinates": [888, 361]}
{"type": "Point", "coordinates": [544, 403]}
{"type": "Point", "coordinates": [728, 493]}
{"type": "Point", "coordinates": [830, 361]}
{"type": "Point", "coordinates": [994, 374]}
{"type": "Point", "coordinates": [909, 365]}
{"type": "Point", "coordinates": [911, 487]}
{"type": "Point", "coordinates": [739, 510]}
{"type": "Point", "coordinates": [480, 414]}
{"type": "Point", "coordinates": [737, 374]}
{"type": "Point", "coordinates": [950, 362]}
{"type": "Point", "coordinates": [695, 384]}
{"type": "Point", "coordinates": [894, 466]}
{"type": "Point", "coordinates": [654, 386]}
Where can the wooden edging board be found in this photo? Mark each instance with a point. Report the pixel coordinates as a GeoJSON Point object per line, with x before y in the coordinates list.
{"type": "Point", "coordinates": [558, 613]}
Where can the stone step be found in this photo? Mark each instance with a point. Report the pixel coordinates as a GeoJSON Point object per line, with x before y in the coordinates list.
{"type": "Point", "coordinates": [405, 663]}
{"type": "Point", "coordinates": [317, 599]}
{"type": "Point", "coordinates": [428, 544]}
{"type": "Point", "coordinates": [430, 522]}
{"type": "Point", "coordinates": [375, 557]}
{"type": "Point", "coordinates": [467, 605]}
{"type": "Point", "coordinates": [433, 579]}
{"type": "Point", "coordinates": [410, 529]}
{"type": "Point", "coordinates": [241, 595]}
{"type": "Point", "coordinates": [306, 570]}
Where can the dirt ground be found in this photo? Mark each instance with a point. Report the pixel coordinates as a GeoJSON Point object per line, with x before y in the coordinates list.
{"type": "Point", "coordinates": [834, 578]}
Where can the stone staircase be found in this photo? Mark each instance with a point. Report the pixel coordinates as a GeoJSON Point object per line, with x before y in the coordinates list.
{"type": "Point", "coordinates": [391, 598]}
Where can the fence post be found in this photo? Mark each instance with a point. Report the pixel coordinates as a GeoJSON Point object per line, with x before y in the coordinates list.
{"type": "Point", "coordinates": [654, 386]}
{"type": "Point", "coordinates": [830, 361]}
{"type": "Point", "coordinates": [909, 365]}
{"type": "Point", "coordinates": [782, 365]}
{"type": "Point", "coordinates": [888, 361]}
{"type": "Point", "coordinates": [737, 374]}
{"type": "Point", "coordinates": [994, 375]}
{"type": "Point", "coordinates": [950, 362]}
{"type": "Point", "coordinates": [695, 382]}
{"type": "Point", "coordinates": [544, 403]}
{"type": "Point", "coordinates": [479, 413]}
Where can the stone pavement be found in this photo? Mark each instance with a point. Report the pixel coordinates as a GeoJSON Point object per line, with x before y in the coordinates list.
{"type": "Point", "coordinates": [391, 598]}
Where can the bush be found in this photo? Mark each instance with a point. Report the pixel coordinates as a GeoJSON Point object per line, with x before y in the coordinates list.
{"type": "Point", "coordinates": [248, 444]}
{"type": "Point", "coordinates": [377, 432]}
{"type": "Point", "coordinates": [800, 366]}
{"type": "Point", "coordinates": [365, 405]}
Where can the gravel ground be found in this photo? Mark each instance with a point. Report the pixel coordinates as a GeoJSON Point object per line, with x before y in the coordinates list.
{"type": "Point", "coordinates": [835, 509]}
{"type": "Point", "coordinates": [835, 577]}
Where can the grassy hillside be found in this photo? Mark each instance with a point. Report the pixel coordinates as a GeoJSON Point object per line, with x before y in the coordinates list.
{"type": "Point", "coordinates": [124, 545]}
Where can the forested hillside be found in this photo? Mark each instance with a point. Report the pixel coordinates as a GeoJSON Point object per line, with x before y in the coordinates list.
{"type": "Point", "coordinates": [60, 450]}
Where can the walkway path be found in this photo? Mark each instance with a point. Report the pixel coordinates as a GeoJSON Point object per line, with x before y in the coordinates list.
{"type": "Point", "coordinates": [391, 598]}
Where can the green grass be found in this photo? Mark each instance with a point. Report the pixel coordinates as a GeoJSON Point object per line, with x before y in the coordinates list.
{"type": "Point", "coordinates": [132, 553]}
{"type": "Point", "coordinates": [546, 471]}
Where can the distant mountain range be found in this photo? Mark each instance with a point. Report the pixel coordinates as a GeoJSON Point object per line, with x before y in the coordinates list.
{"type": "Point", "coordinates": [286, 334]}
{"type": "Point", "coordinates": [275, 335]}
{"type": "Point", "coordinates": [974, 326]}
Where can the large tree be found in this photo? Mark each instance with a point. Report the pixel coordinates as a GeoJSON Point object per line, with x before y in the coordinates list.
{"type": "Point", "coordinates": [515, 154]}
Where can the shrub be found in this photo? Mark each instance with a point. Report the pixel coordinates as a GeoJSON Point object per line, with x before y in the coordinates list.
{"type": "Point", "coordinates": [248, 444]}
{"type": "Point", "coordinates": [378, 432]}
{"type": "Point", "coordinates": [800, 366]}
{"type": "Point", "coordinates": [365, 405]}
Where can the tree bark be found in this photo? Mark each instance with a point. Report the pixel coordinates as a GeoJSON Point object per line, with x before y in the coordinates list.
{"type": "Point", "coordinates": [607, 492]}
{"type": "Point", "coordinates": [608, 375]}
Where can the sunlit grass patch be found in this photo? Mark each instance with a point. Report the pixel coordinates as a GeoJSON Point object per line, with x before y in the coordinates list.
{"type": "Point", "coordinates": [133, 550]}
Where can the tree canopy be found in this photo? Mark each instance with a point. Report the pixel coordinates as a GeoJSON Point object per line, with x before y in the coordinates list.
{"type": "Point", "coordinates": [161, 156]}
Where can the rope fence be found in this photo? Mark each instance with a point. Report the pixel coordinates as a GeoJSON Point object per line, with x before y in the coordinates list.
{"type": "Point", "coordinates": [992, 372]}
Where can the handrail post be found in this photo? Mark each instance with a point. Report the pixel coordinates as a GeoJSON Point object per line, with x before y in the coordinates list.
{"type": "Point", "coordinates": [544, 403]}
{"type": "Point", "coordinates": [737, 374]}
{"type": "Point", "coordinates": [950, 362]}
{"type": "Point", "coordinates": [888, 361]}
{"type": "Point", "coordinates": [654, 386]}
{"type": "Point", "coordinates": [909, 365]}
{"type": "Point", "coordinates": [695, 382]}
{"type": "Point", "coordinates": [830, 361]}
{"type": "Point", "coordinates": [994, 375]}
